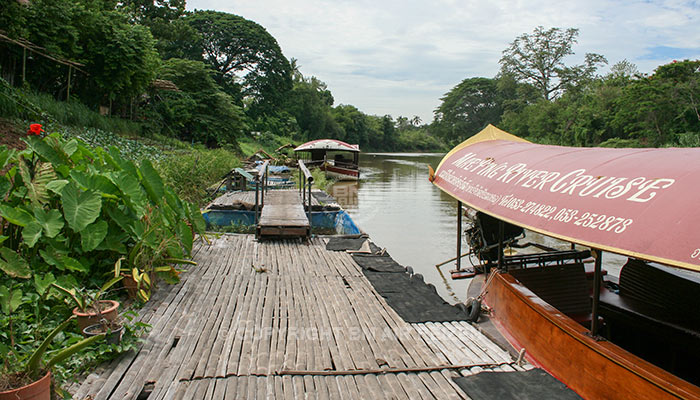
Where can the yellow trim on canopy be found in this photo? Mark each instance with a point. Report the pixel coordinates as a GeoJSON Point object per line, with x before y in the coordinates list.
{"type": "Point", "coordinates": [488, 133]}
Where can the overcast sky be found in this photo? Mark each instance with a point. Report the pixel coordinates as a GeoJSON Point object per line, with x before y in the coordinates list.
{"type": "Point", "coordinates": [400, 57]}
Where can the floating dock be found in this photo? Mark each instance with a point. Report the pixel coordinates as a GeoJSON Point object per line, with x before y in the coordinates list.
{"type": "Point", "coordinates": [283, 215]}
{"type": "Point", "coordinates": [283, 319]}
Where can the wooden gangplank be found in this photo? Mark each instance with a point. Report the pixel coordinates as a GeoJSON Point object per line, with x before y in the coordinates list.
{"type": "Point", "coordinates": [283, 215]}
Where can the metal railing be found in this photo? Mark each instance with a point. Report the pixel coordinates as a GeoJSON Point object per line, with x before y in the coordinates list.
{"type": "Point", "coordinates": [260, 189]}
{"type": "Point", "coordinates": [305, 180]}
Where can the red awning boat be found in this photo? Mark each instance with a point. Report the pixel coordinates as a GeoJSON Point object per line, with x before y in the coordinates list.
{"type": "Point", "coordinates": [329, 155]}
{"type": "Point", "coordinates": [638, 337]}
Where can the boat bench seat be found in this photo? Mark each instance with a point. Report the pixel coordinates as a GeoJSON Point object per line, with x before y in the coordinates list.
{"type": "Point", "coordinates": [655, 316]}
{"type": "Point", "coordinates": [654, 297]}
{"type": "Point", "coordinates": [565, 287]}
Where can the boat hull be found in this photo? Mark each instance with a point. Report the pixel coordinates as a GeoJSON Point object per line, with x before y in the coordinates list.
{"type": "Point", "coordinates": [341, 174]}
{"type": "Point", "coordinates": [594, 369]}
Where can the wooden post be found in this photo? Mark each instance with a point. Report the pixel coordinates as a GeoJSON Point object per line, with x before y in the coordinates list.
{"type": "Point", "coordinates": [459, 235]}
{"type": "Point", "coordinates": [596, 291]}
{"type": "Point", "coordinates": [70, 69]}
{"type": "Point", "coordinates": [310, 204]}
{"type": "Point", "coordinates": [501, 233]}
{"type": "Point", "coordinates": [24, 64]}
{"type": "Point", "coordinates": [257, 187]}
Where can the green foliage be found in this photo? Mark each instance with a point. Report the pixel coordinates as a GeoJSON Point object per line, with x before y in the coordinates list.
{"type": "Point", "coordinates": [68, 214]}
{"type": "Point", "coordinates": [200, 111]}
{"type": "Point", "coordinates": [191, 174]}
{"type": "Point", "coordinates": [538, 58]}
{"type": "Point", "coordinates": [235, 46]}
{"type": "Point", "coordinates": [468, 108]}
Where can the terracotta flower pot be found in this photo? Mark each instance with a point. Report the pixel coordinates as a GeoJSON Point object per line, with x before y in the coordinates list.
{"type": "Point", "coordinates": [109, 312]}
{"type": "Point", "coordinates": [130, 285]}
{"type": "Point", "coordinates": [113, 337]}
{"type": "Point", "coordinates": [37, 390]}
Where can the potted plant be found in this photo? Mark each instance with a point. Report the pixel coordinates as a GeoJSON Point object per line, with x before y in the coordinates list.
{"type": "Point", "coordinates": [33, 379]}
{"type": "Point", "coordinates": [112, 329]}
{"type": "Point", "coordinates": [90, 308]}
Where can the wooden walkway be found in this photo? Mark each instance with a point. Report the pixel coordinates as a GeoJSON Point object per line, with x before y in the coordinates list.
{"type": "Point", "coordinates": [246, 200]}
{"type": "Point", "coordinates": [283, 215]}
{"type": "Point", "coordinates": [281, 319]}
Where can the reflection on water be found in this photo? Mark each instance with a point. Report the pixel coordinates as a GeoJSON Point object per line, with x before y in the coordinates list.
{"type": "Point", "coordinates": [401, 210]}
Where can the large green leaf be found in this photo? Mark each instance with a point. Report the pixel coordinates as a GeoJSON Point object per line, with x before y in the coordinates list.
{"type": "Point", "coordinates": [132, 189]}
{"type": "Point", "coordinates": [16, 216]}
{"type": "Point", "coordinates": [80, 208]}
{"type": "Point", "coordinates": [70, 147]}
{"type": "Point", "coordinates": [185, 233]}
{"type": "Point", "coordinates": [93, 235]}
{"type": "Point", "coordinates": [36, 186]}
{"type": "Point", "coordinates": [5, 156]}
{"type": "Point", "coordinates": [62, 261]}
{"type": "Point", "coordinates": [14, 265]}
{"type": "Point", "coordinates": [57, 185]}
{"type": "Point", "coordinates": [42, 284]}
{"type": "Point", "coordinates": [121, 218]}
{"type": "Point", "coordinates": [51, 221]}
{"type": "Point", "coordinates": [114, 241]}
{"type": "Point", "coordinates": [152, 182]}
{"type": "Point", "coordinates": [31, 233]}
{"type": "Point", "coordinates": [10, 300]}
{"type": "Point", "coordinates": [45, 151]}
{"type": "Point", "coordinates": [94, 181]}
{"type": "Point", "coordinates": [5, 185]}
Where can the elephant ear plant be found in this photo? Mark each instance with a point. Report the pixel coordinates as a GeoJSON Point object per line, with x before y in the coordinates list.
{"type": "Point", "coordinates": [67, 214]}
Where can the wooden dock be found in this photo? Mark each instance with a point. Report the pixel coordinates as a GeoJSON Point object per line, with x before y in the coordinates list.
{"type": "Point", "coordinates": [283, 215]}
{"type": "Point", "coordinates": [282, 319]}
{"type": "Point", "coordinates": [246, 200]}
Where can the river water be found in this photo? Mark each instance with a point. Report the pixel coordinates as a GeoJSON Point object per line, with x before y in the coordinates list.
{"type": "Point", "coordinates": [415, 221]}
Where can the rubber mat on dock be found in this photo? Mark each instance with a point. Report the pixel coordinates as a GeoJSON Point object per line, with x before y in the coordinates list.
{"type": "Point", "coordinates": [408, 295]}
{"type": "Point", "coordinates": [534, 384]}
{"type": "Point", "coordinates": [342, 244]}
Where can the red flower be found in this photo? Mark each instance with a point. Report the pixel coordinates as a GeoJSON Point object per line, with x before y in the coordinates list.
{"type": "Point", "coordinates": [35, 129]}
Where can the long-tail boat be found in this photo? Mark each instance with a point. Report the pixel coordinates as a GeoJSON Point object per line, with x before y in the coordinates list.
{"type": "Point", "coordinates": [636, 337]}
{"type": "Point", "coordinates": [338, 159]}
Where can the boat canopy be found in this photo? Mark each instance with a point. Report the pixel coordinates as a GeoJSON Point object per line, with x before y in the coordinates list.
{"type": "Point", "coordinates": [328, 144]}
{"type": "Point", "coordinates": [642, 203]}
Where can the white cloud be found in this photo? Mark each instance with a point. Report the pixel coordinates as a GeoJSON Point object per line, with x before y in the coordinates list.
{"type": "Point", "coordinates": [399, 57]}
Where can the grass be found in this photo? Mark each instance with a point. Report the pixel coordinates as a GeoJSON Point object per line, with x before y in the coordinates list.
{"type": "Point", "coordinates": [191, 173]}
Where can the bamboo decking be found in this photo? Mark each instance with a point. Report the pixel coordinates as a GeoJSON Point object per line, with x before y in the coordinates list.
{"type": "Point", "coordinates": [282, 319]}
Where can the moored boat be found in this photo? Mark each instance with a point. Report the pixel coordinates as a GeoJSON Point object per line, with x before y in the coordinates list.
{"type": "Point", "coordinates": [633, 337]}
{"type": "Point", "coordinates": [338, 159]}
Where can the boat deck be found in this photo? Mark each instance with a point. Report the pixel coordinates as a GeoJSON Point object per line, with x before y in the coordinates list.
{"type": "Point", "coordinates": [282, 319]}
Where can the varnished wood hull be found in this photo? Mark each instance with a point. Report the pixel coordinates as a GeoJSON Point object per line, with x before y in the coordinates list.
{"type": "Point", "coordinates": [594, 369]}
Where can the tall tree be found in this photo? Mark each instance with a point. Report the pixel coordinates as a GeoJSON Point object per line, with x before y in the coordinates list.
{"type": "Point", "coordinates": [538, 58]}
{"type": "Point", "coordinates": [467, 108]}
{"type": "Point", "coordinates": [241, 49]}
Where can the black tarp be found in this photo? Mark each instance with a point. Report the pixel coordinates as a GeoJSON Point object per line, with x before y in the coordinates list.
{"type": "Point", "coordinates": [534, 384]}
{"type": "Point", "coordinates": [409, 296]}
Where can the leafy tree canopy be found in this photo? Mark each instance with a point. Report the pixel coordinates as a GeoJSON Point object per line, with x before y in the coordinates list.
{"type": "Point", "coordinates": [241, 49]}
{"type": "Point", "coordinates": [468, 108]}
{"type": "Point", "coordinates": [538, 58]}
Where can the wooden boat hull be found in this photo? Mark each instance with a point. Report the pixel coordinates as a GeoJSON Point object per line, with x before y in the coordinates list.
{"type": "Point", "coordinates": [594, 369]}
{"type": "Point", "coordinates": [341, 174]}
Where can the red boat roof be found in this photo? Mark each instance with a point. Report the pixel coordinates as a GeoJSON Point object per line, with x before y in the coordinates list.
{"type": "Point", "coordinates": [328, 144]}
{"type": "Point", "coordinates": [637, 202]}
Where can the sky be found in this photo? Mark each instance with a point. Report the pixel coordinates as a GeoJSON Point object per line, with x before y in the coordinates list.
{"type": "Point", "coordinates": [400, 57]}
